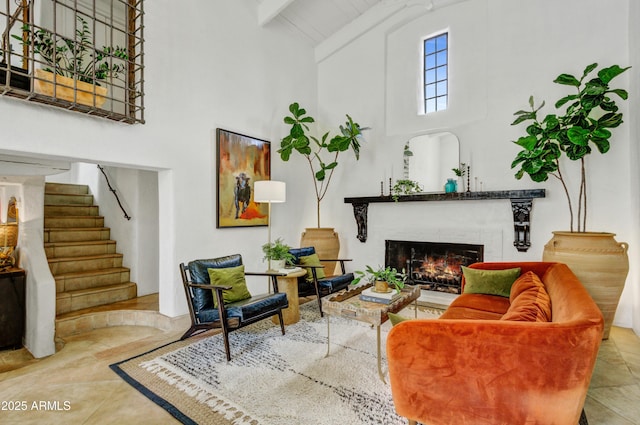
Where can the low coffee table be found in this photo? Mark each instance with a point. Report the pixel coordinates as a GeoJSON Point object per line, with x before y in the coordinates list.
{"type": "Point", "coordinates": [348, 304]}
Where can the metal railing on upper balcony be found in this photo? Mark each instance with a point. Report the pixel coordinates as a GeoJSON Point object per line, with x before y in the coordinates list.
{"type": "Point", "coordinates": [80, 55]}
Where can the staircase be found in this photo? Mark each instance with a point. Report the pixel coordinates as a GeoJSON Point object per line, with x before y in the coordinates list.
{"type": "Point", "coordinates": [83, 260]}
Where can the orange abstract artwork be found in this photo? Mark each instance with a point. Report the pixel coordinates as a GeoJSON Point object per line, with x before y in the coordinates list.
{"type": "Point", "coordinates": [241, 161]}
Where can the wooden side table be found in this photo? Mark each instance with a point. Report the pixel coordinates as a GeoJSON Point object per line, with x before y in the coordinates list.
{"type": "Point", "coordinates": [289, 285]}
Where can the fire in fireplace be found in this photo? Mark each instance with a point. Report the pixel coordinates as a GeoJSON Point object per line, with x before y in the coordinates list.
{"type": "Point", "coordinates": [435, 266]}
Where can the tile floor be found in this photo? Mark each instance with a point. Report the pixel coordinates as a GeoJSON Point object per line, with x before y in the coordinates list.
{"type": "Point", "coordinates": [76, 386]}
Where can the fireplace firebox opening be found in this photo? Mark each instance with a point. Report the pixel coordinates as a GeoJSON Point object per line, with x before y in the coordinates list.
{"type": "Point", "coordinates": [435, 266]}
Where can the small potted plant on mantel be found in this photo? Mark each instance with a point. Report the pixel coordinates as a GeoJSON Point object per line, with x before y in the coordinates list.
{"type": "Point", "coordinates": [277, 254]}
{"type": "Point", "coordinates": [383, 278]}
{"type": "Point", "coordinates": [404, 187]}
{"type": "Point", "coordinates": [75, 65]}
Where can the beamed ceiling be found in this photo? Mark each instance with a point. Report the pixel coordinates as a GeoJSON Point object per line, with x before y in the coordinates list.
{"type": "Point", "coordinates": [327, 25]}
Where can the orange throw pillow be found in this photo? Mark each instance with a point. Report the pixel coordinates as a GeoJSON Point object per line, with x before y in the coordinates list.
{"type": "Point", "coordinates": [530, 301]}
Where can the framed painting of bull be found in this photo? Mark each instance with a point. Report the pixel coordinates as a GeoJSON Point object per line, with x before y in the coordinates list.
{"type": "Point", "coordinates": [241, 161]}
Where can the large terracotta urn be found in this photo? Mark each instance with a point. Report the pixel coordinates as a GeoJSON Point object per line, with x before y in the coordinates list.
{"type": "Point", "coordinates": [326, 242]}
{"type": "Point", "coordinates": [599, 261]}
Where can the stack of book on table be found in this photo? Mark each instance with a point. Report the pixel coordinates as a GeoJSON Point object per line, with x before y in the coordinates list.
{"type": "Point", "coordinates": [371, 295]}
{"type": "Point", "coordinates": [289, 270]}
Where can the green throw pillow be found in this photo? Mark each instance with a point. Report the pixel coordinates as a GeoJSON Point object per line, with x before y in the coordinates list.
{"type": "Point", "coordinates": [230, 276]}
{"type": "Point", "coordinates": [396, 318]}
{"type": "Point", "coordinates": [312, 260]}
{"type": "Point", "coordinates": [489, 282]}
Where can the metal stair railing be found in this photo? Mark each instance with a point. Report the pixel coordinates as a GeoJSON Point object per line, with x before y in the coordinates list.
{"type": "Point", "coordinates": [115, 193]}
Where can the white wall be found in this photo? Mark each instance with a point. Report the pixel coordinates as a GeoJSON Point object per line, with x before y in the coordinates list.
{"type": "Point", "coordinates": [631, 294]}
{"type": "Point", "coordinates": [208, 64]}
{"type": "Point", "coordinates": [40, 295]}
{"type": "Point", "coordinates": [502, 51]}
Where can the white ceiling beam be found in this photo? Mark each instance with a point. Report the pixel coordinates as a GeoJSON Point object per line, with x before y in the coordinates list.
{"type": "Point", "coordinates": [269, 9]}
{"type": "Point", "coordinates": [372, 17]}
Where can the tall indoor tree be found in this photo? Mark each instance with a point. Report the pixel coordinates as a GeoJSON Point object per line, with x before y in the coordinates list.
{"type": "Point", "coordinates": [589, 115]}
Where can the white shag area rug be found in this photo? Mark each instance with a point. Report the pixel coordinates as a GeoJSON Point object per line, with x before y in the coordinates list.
{"type": "Point", "coordinates": [272, 379]}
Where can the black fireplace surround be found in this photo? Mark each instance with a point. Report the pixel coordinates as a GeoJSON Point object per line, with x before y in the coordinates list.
{"type": "Point", "coordinates": [435, 266]}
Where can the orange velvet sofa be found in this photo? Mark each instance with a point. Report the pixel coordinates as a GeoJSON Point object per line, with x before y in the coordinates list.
{"type": "Point", "coordinates": [471, 368]}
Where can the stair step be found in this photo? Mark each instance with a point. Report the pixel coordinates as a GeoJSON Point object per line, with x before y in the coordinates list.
{"type": "Point", "coordinates": [75, 234]}
{"type": "Point", "coordinates": [66, 188]}
{"type": "Point", "coordinates": [83, 264]}
{"type": "Point", "coordinates": [67, 199]}
{"type": "Point", "coordinates": [79, 248]}
{"type": "Point", "coordinates": [83, 259]}
{"type": "Point", "coordinates": [74, 221]}
{"type": "Point", "coordinates": [92, 297]}
{"type": "Point", "coordinates": [74, 210]}
{"type": "Point", "coordinates": [91, 279]}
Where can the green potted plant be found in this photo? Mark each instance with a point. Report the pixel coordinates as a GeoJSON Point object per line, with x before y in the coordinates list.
{"type": "Point", "coordinates": [382, 278]}
{"type": "Point", "coordinates": [460, 173]}
{"type": "Point", "coordinates": [322, 155]}
{"type": "Point", "coordinates": [277, 253]}
{"type": "Point", "coordinates": [590, 112]}
{"type": "Point", "coordinates": [73, 59]}
{"type": "Point", "coordinates": [404, 187]}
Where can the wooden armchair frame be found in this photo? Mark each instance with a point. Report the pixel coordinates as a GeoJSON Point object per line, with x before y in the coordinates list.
{"type": "Point", "coordinates": [225, 323]}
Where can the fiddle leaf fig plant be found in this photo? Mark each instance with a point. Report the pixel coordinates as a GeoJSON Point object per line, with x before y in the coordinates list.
{"type": "Point", "coordinates": [591, 111]}
{"type": "Point", "coordinates": [322, 154]}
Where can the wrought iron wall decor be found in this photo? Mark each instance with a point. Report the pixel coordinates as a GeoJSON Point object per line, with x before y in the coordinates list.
{"type": "Point", "coordinates": [80, 55]}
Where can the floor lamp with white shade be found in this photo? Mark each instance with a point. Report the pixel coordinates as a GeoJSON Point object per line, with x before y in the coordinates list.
{"type": "Point", "coordinates": [270, 191]}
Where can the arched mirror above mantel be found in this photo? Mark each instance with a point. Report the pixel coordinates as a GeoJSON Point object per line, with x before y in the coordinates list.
{"type": "Point", "coordinates": [429, 159]}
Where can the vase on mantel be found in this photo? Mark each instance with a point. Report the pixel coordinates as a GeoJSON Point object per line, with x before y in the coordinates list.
{"type": "Point", "coordinates": [326, 242]}
{"type": "Point", "coordinates": [600, 263]}
{"type": "Point", "coordinates": [451, 186]}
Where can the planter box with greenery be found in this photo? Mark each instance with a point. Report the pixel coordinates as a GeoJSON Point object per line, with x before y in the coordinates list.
{"type": "Point", "coordinates": [19, 77]}
{"type": "Point", "coordinates": [74, 66]}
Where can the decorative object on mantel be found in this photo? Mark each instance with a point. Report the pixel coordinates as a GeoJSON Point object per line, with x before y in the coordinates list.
{"type": "Point", "coordinates": [521, 204]}
{"type": "Point", "coordinates": [460, 172]}
{"type": "Point", "coordinates": [591, 112]}
{"type": "Point", "coordinates": [76, 66]}
{"type": "Point", "coordinates": [404, 187]}
{"type": "Point", "coordinates": [325, 240]}
{"type": "Point", "coordinates": [451, 186]}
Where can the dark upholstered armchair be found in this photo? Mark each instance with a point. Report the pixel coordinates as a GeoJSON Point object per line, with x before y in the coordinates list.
{"type": "Point", "coordinates": [318, 284]}
{"type": "Point", "coordinates": [205, 315]}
